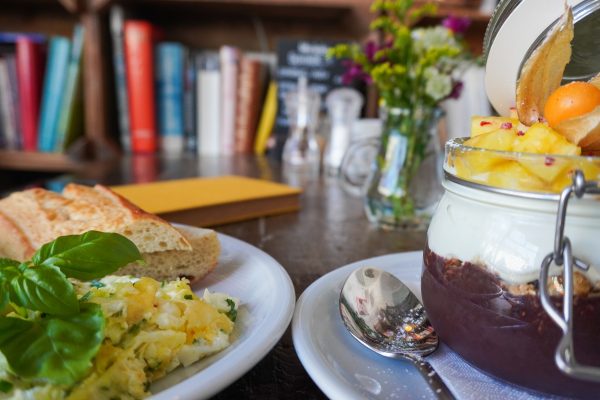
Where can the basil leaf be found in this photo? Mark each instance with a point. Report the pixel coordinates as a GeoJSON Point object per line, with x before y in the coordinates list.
{"type": "Point", "coordinates": [57, 350]}
{"type": "Point", "coordinates": [5, 386]}
{"type": "Point", "coordinates": [91, 255]}
{"type": "Point", "coordinates": [7, 273]}
{"type": "Point", "coordinates": [7, 262]}
{"type": "Point", "coordinates": [44, 288]}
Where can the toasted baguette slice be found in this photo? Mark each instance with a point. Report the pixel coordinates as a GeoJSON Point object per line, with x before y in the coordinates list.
{"type": "Point", "coordinates": [31, 218]}
{"type": "Point", "coordinates": [41, 216]}
{"type": "Point", "coordinates": [170, 264]}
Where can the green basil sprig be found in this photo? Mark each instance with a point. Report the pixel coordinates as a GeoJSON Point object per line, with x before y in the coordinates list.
{"type": "Point", "coordinates": [57, 341]}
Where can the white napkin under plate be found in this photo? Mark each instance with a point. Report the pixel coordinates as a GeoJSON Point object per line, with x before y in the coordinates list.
{"type": "Point", "coordinates": [468, 383]}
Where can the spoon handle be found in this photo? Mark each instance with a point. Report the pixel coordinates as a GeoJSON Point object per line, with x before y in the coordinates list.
{"type": "Point", "coordinates": [434, 380]}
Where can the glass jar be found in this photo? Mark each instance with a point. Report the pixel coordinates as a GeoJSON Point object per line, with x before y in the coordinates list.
{"type": "Point", "coordinates": [481, 276]}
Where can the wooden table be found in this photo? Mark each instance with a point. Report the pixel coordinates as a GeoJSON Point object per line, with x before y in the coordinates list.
{"type": "Point", "coordinates": [329, 231]}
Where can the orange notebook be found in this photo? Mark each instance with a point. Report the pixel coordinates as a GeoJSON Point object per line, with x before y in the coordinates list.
{"type": "Point", "coordinates": [212, 201]}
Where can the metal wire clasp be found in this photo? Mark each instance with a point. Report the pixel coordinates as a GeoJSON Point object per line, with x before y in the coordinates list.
{"type": "Point", "coordinates": [563, 256]}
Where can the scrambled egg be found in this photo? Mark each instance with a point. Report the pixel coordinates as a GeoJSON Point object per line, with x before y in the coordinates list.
{"type": "Point", "coordinates": [151, 328]}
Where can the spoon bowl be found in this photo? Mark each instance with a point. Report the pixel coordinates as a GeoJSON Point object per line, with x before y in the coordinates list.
{"type": "Point", "coordinates": [385, 316]}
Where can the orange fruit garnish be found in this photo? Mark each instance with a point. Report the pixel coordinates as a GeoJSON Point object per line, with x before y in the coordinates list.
{"type": "Point", "coordinates": [571, 100]}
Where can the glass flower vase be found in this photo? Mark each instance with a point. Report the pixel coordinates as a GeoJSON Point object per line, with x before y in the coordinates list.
{"type": "Point", "coordinates": [404, 185]}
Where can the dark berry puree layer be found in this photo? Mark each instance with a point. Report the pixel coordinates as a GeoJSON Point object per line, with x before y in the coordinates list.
{"type": "Point", "coordinates": [505, 334]}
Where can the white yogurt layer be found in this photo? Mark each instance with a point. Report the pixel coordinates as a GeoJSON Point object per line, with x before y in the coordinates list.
{"type": "Point", "coordinates": [511, 235]}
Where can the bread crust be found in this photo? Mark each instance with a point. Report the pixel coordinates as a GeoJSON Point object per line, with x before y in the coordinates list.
{"type": "Point", "coordinates": [14, 244]}
{"type": "Point", "coordinates": [33, 217]}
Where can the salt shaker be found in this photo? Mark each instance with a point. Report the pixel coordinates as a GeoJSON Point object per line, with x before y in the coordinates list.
{"type": "Point", "coordinates": [343, 106]}
{"type": "Point", "coordinates": [301, 153]}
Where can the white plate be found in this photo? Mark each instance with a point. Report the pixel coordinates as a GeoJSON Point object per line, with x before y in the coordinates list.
{"type": "Point", "coordinates": [267, 301]}
{"type": "Point", "coordinates": [339, 365]}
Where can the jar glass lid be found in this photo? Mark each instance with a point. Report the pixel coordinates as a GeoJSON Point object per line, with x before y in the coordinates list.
{"type": "Point", "coordinates": [516, 29]}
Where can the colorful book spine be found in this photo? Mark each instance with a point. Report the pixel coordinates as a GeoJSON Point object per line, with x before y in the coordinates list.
{"type": "Point", "coordinates": [169, 66]}
{"type": "Point", "coordinates": [140, 85]}
{"type": "Point", "coordinates": [267, 120]}
{"type": "Point", "coordinates": [117, 21]}
{"type": "Point", "coordinates": [208, 105]}
{"type": "Point", "coordinates": [189, 103]}
{"type": "Point", "coordinates": [70, 124]}
{"type": "Point", "coordinates": [249, 95]}
{"type": "Point", "coordinates": [7, 108]}
{"type": "Point", "coordinates": [30, 66]}
{"type": "Point", "coordinates": [13, 81]}
{"type": "Point", "coordinates": [54, 85]}
{"type": "Point", "coordinates": [230, 59]}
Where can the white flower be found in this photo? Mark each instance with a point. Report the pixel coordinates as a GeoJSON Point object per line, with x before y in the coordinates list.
{"type": "Point", "coordinates": [437, 85]}
{"type": "Point", "coordinates": [428, 38]}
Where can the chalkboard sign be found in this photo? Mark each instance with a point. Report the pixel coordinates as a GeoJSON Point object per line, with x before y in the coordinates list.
{"type": "Point", "coordinates": [296, 58]}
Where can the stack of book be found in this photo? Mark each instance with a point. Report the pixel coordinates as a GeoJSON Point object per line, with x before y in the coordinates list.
{"type": "Point", "coordinates": [174, 99]}
{"type": "Point", "coordinates": [40, 91]}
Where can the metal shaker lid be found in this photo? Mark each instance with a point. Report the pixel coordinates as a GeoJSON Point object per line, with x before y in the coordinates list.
{"type": "Point", "coordinates": [516, 29]}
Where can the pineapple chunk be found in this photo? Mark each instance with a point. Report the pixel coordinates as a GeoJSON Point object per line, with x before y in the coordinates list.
{"type": "Point", "coordinates": [542, 139]}
{"type": "Point", "coordinates": [547, 168]}
{"type": "Point", "coordinates": [590, 169]}
{"type": "Point", "coordinates": [481, 125]}
{"type": "Point", "coordinates": [481, 161]}
{"type": "Point", "coordinates": [511, 175]}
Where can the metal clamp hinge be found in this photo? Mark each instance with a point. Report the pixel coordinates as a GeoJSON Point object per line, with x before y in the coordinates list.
{"type": "Point", "coordinates": [563, 256]}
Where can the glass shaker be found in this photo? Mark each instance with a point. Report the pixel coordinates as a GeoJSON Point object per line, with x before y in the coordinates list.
{"type": "Point", "coordinates": [301, 152]}
{"type": "Point", "coordinates": [343, 106]}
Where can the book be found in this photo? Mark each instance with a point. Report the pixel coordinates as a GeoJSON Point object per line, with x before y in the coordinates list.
{"type": "Point", "coordinates": [70, 123]}
{"type": "Point", "coordinates": [53, 90]}
{"type": "Point", "coordinates": [30, 67]}
{"type": "Point", "coordinates": [267, 120]}
{"type": "Point", "coordinates": [139, 63]}
{"type": "Point", "coordinates": [117, 21]}
{"type": "Point", "coordinates": [249, 97]}
{"type": "Point", "coordinates": [7, 107]}
{"type": "Point", "coordinates": [230, 58]}
{"type": "Point", "coordinates": [169, 67]}
{"type": "Point", "coordinates": [208, 104]}
{"type": "Point", "coordinates": [189, 102]}
{"type": "Point", "coordinates": [13, 82]}
{"type": "Point", "coordinates": [212, 201]}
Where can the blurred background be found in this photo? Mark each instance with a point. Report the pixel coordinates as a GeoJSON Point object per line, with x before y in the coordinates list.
{"type": "Point", "coordinates": [88, 80]}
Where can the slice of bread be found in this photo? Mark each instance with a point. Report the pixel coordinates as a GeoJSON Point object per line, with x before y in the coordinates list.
{"type": "Point", "coordinates": [170, 264]}
{"type": "Point", "coordinates": [31, 218]}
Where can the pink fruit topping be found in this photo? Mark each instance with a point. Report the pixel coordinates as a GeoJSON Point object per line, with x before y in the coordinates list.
{"type": "Point", "coordinates": [506, 125]}
{"type": "Point", "coordinates": [548, 161]}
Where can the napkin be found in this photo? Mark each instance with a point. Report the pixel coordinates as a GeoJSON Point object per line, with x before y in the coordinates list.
{"type": "Point", "coordinates": [468, 383]}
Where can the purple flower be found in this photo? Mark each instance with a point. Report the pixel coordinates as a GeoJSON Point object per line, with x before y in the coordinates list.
{"type": "Point", "coordinates": [458, 25]}
{"type": "Point", "coordinates": [354, 72]}
{"type": "Point", "coordinates": [370, 49]}
{"type": "Point", "coordinates": [456, 90]}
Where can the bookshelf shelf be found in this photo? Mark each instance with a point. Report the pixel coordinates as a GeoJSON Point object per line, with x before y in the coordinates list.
{"type": "Point", "coordinates": [29, 161]}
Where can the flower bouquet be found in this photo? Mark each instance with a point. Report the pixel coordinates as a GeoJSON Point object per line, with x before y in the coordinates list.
{"type": "Point", "coordinates": [414, 70]}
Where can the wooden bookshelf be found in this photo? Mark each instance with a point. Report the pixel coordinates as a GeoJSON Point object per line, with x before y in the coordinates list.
{"type": "Point", "coordinates": [198, 24]}
{"type": "Point", "coordinates": [28, 161]}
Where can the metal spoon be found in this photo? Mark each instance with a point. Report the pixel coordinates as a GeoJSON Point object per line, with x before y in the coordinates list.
{"type": "Point", "coordinates": [384, 315]}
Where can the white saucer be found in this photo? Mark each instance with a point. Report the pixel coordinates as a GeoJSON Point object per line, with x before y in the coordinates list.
{"type": "Point", "coordinates": [345, 369]}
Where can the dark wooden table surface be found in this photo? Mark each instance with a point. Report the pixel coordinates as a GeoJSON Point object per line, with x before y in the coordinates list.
{"type": "Point", "coordinates": [329, 231]}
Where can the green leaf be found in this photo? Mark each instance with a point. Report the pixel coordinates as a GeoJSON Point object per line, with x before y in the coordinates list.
{"type": "Point", "coordinates": [44, 288]}
{"type": "Point", "coordinates": [7, 273]}
{"type": "Point", "coordinates": [5, 386]}
{"type": "Point", "coordinates": [232, 313]}
{"type": "Point", "coordinates": [7, 262]}
{"type": "Point", "coordinates": [58, 350]}
{"type": "Point", "coordinates": [91, 255]}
